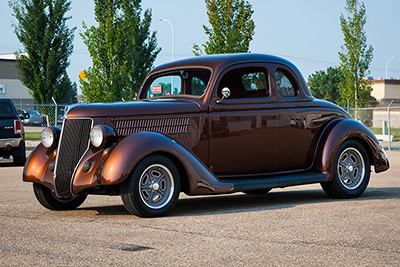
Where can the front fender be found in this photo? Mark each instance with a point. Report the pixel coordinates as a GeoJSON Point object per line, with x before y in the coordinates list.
{"type": "Point", "coordinates": [339, 133]}
{"type": "Point", "coordinates": [36, 167]}
{"type": "Point", "coordinates": [132, 149]}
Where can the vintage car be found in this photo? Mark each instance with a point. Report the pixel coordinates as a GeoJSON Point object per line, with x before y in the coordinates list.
{"type": "Point", "coordinates": [206, 125]}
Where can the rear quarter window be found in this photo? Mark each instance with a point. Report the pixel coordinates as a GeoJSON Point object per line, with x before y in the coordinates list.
{"type": "Point", "coordinates": [5, 108]}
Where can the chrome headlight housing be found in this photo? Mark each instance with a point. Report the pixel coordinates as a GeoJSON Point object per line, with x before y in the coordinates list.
{"type": "Point", "coordinates": [49, 136]}
{"type": "Point", "coordinates": [101, 135]}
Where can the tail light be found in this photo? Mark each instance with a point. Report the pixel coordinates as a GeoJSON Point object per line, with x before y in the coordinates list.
{"type": "Point", "coordinates": [17, 127]}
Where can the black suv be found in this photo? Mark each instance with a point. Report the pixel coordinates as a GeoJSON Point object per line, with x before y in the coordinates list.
{"type": "Point", "coordinates": [12, 134]}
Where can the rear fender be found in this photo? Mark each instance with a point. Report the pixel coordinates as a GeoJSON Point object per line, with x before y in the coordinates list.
{"type": "Point", "coordinates": [132, 149]}
{"type": "Point", "coordinates": [339, 133]}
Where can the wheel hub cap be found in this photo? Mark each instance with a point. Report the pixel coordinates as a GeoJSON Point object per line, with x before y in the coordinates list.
{"type": "Point", "coordinates": [351, 168]}
{"type": "Point", "coordinates": [155, 186]}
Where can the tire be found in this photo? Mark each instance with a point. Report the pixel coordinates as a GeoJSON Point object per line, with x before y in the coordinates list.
{"type": "Point", "coordinates": [351, 171]}
{"type": "Point", "coordinates": [153, 187]}
{"type": "Point", "coordinates": [19, 157]}
{"type": "Point", "coordinates": [258, 191]}
{"type": "Point", "coordinates": [51, 202]}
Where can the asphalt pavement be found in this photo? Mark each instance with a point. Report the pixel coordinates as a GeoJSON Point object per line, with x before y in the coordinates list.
{"type": "Point", "coordinates": [295, 226]}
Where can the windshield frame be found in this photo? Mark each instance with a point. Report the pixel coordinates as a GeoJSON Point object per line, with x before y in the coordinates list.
{"type": "Point", "coordinates": [153, 76]}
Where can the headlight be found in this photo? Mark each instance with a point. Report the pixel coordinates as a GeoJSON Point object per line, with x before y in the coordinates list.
{"type": "Point", "coordinates": [101, 135]}
{"type": "Point", "coordinates": [49, 136]}
{"type": "Point", "coordinates": [96, 136]}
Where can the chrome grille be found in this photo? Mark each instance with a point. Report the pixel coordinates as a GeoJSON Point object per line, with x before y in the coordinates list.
{"type": "Point", "coordinates": [172, 125]}
{"type": "Point", "coordinates": [73, 144]}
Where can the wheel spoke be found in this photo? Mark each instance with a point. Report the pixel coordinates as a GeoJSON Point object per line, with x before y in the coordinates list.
{"type": "Point", "coordinates": [146, 186]}
{"type": "Point", "coordinates": [161, 192]}
{"type": "Point", "coordinates": [151, 197]}
{"type": "Point", "coordinates": [342, 164]}
{"type": "Point", "coordinates": [158, 179]}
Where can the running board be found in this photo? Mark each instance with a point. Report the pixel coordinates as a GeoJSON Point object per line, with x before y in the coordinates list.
{"type": "Point", "coordinates": [277, 181]}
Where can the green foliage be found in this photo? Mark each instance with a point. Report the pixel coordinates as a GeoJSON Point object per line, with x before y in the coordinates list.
{"type": "Point", "coordinates": [355, 57]}
{"type": "Point", "coordinates": [325, 84]}
{"type": "Point", "coordinates": [122, 49]}
{"type": "Point", "coordinates": [47, 42]}
{"type": "Point", "coordinates": [232, 28]}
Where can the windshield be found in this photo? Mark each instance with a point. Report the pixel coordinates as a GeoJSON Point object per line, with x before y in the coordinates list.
{"type": "Point", "coordinates": [191, 82]}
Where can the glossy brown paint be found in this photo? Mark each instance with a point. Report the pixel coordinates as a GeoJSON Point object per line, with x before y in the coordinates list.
{"type": "Point", "coordinates": [231, 145]}
{"type": "Point", "coordinates": [36, 167]}
{"type": "Point", "coordinates": [345, 130]}
{"type": "Point", "coordinates": [136, 108]}
{"type": "Point", "coordinates": [132, 149]}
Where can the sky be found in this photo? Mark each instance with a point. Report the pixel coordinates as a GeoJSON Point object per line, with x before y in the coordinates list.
{"type": "Point", "coordinates": [305, 32]}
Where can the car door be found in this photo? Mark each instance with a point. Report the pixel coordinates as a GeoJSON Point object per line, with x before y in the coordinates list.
{"type": "Point", "coordinates": [299, 122]}
{"type": "Point", "coordinates": [244, 127]}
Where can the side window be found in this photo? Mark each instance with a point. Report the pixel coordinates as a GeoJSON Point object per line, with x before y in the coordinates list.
{"type": "Point", "coordinates": [254, 81]}
{"type": "Point", "coordinates": [283, 84]}
{"type": "Point", "coordinates": [198, 86]}
{"type": "Point", "coordinates": [245, 83]}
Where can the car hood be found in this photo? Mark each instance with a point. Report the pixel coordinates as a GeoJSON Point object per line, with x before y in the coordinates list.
{"type": "Point", "coordinates": [143, 107]}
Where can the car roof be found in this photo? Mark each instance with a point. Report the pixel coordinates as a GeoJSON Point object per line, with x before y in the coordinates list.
{"type": "Point", "coordinates": [220, 61]}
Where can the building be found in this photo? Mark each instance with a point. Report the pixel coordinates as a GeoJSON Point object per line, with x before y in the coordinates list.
{"type": "Point", "coordinates": [10, 83]}
{"type": "Point", "coordinates": [385, 91]}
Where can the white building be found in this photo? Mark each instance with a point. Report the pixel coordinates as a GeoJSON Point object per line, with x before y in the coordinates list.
{"type": "Point", "coordinates": [10, 84]}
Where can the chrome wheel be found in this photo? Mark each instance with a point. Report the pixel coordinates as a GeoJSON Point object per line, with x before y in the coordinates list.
{"type": "Point", "coordinates": [351, 171]}
{"type": "Point", "coordinates": [156, 186]}
{"type": "Point", "coordinates": [351, 168]}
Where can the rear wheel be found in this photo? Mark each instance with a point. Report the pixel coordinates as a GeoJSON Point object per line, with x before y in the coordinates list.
{"type": "Point", "coordinates": [153, 187]}
{"type": "Point", "coordinates": [49, 200]}
{"type": "Point", "coordinates": [351, 171]}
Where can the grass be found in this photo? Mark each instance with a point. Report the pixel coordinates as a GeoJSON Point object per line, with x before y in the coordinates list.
{"type": "Point", "coordinates": [32, 136]}
{"type": "Point", "coordinates": [393, 131]}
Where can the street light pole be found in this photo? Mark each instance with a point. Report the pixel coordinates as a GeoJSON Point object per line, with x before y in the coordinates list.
{"type": "Point", "coordinates": [387, 63]}
{"type": "Point", "coordinates": [172, 30]}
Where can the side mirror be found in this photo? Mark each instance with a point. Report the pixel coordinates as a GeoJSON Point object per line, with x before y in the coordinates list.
{"type": "Point", "coordinates": [25, 116]}
{"type": "Point", "coordinates": [225, 94]}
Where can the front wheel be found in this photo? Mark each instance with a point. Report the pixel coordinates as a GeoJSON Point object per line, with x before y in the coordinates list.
{"type": "Point", "coordinates": [153, 187]}
{"type": "Point", "coordinates": [50, 201]}
{"type": "Point", "coordinates": [351, 171]}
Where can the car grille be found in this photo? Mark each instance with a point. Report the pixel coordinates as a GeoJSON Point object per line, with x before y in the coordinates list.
{"type": "Point", "coordinates": [171, 125]}
{"type": "Point", "coordinates": [73, 144]}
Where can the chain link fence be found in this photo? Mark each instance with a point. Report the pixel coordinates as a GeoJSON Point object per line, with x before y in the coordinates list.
{"type": "Point", "coordinates": [42, 114]}
{"type": "Point", "coordinates": [384, 122]}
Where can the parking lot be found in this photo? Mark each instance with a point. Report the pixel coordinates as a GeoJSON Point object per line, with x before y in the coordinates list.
{"type": "Point", "coordinates": [292, 226]}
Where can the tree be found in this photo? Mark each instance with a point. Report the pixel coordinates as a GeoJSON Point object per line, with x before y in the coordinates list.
{"type": "Point", "coordinates": [325, 84]}
{"type": "Point", "coordinates": [47, 42]}
{"type": "Point", "coordinates": [122, 49]}
{"type": "Point", "coordinates": [355, 57]}
{"type": "Point", "coordinates": [232, 28]}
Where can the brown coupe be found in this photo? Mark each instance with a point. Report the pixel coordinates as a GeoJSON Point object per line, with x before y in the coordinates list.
{"type": "Point", "coordinates": [205, 125]}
